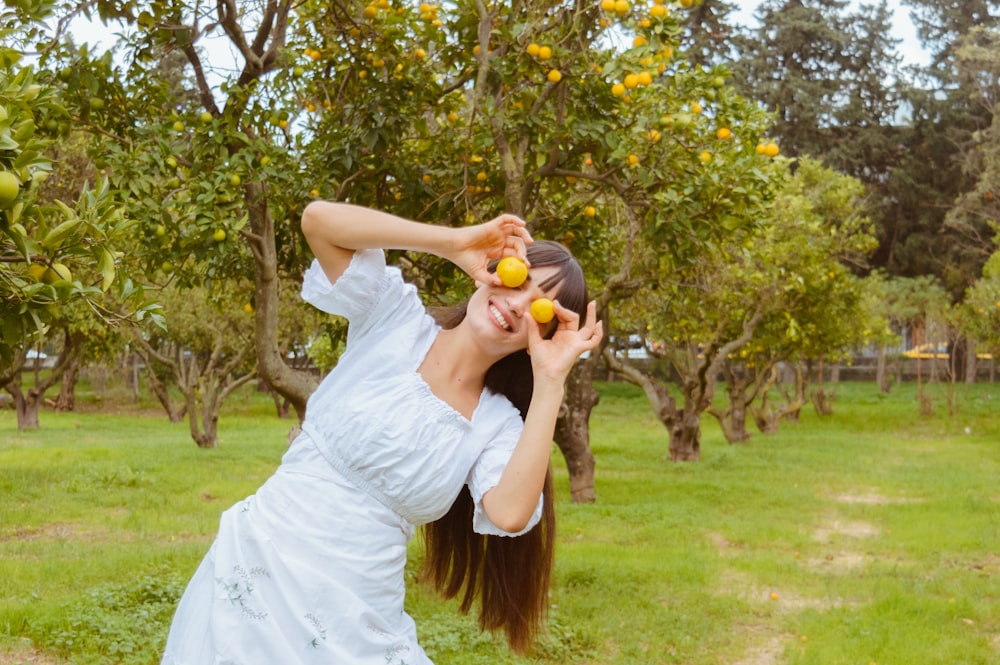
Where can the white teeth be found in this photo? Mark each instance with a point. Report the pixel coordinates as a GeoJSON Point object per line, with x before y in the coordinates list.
{"type": "Point", "coordinates": [499, 318]}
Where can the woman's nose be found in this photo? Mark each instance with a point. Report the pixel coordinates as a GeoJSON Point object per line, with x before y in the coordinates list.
{"type": "Point", "coordinates": [519, 303]}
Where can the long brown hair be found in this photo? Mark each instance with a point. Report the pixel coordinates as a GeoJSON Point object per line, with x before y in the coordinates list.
{"type": "Point", "coordinates": [510, 576]}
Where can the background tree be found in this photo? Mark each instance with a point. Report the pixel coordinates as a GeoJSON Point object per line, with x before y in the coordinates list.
{"type": "Point", "coordinates": [206, 351]}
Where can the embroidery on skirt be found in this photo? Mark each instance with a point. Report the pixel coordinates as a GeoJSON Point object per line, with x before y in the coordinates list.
{"type": "Point", "coordinates": [239, 591]}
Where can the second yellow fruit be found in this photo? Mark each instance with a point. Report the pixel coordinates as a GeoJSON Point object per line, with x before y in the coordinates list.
{"type": "Point", "coordinates": [543, 310]}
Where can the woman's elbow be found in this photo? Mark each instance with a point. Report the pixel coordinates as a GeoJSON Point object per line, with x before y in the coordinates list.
{"type": "Point", "coordinates": [312, 219]}
{"type": "Point", "coordinates": [510, 519]}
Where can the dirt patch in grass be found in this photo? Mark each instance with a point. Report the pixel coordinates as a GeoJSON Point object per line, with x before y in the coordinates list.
{"type": "Point", "coordinates": [850, 528]}
{"type": "Point", "coordinates": [55, 531]}
{"type": "Point", "coordinates": [769, 652]}
{"type": "Point", "coordinates": [25, 654]}
{"type": "Point", "coordinates": [873, 498]}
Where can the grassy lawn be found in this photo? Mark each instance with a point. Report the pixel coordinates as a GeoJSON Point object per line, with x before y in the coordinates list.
{"type": "Point", "coordinates": [870, 536]}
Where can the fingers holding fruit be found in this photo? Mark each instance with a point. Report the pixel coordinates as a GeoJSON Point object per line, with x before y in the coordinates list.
{"type": "Point", "coordinates": [556, 355]}
{"type": "Point", "coordinates": [504, 237]}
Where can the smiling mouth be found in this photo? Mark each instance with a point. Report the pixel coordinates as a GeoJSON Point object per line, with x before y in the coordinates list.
{"type": "Point", "coordinates": [499, 318]}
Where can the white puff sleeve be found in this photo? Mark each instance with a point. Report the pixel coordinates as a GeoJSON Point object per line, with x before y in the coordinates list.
{"type": "Point", "coordinates": [485, 474]}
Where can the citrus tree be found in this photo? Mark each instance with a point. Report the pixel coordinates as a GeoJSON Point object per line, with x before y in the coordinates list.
{"type": "Point", "coordinates": [192, 149]}
{"type": "Point", "coordinates": [205, 352]}
{"type": "Point", "coordinates": [53, 252]}
{"type": "Point", "coordinates": [982, 302]}
{"type": "Point", "coordinates": [582, 117]}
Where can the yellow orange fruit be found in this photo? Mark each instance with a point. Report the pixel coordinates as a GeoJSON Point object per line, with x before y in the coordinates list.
{"type": "Point", "coordinates": [645, 78]}
{"type": "Point", "coordinates": [589, 211]}
{"type": "Point", "coordinates": [696, 108]}
{"type": "Point", "coordinates": [512, 271]}
{"type": "Point", "coordinates": [631, 81]}
{"type": "Point", "coordinates": [555, 75]}
{"type": "Point", "coordinates": [533, 50]}
{"type": "Point", "coordinates": [771, 150]}
{"type": "Point", "coordinates": [543, 310]}
{"type": "Point", "coordinates": [724, 134]}
{"type": "Point", "coordinates": [608, 5]}
{"type": "Point", "coordinates": [544, 52]}
{"type": "Point", "coordinates": [705, 156]}
{"type": "Point", "coordinates": [621, 7]}
{"type": "Point", "coordinates": [633, 159]}
{"type": "Point", "coordinates": [10, 186]}
{"type": "Point", "coordinates": [618, 90]}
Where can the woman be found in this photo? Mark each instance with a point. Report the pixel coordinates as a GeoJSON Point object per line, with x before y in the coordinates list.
{"type": "Point", "coordinates": [446, 424]}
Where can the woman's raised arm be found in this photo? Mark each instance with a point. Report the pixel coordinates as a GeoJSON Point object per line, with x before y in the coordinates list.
{"type": "Point", "coordinates": [335, 231]}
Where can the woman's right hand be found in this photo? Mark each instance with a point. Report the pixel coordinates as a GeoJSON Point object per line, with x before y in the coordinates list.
{"type": "Point", "coordinates": [476, 246]}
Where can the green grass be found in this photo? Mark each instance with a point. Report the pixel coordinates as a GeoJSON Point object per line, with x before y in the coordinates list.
{"type": "Point", "coordinates": [872, 535]}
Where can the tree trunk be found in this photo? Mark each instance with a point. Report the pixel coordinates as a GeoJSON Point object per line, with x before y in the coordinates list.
{"type": "Point", "coordinates": [295, 386]}
{"type": "Point", "coordinates": [881, 370]}
{"type": "Point", "coordinates": [66, 401]}
{"type": "Point", "coordinates": [971, 362]}
{"type": "Point", "coordinates": [685, 437]}
{"type": "Point", "coordinates": [733, 418]}
{"type": "Point", "coordinates": [26, 404]}
{"type": "Point", "coordinates": [573, 430]}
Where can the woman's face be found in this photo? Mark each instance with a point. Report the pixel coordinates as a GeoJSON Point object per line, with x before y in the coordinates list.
{"type": "Point", "coordinates": [501, 315]}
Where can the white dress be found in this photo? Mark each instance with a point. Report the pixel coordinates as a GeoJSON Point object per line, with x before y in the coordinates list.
{"type": "Point", "coordinates": [309, 569]}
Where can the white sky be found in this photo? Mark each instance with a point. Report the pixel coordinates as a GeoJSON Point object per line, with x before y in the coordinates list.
{"type": "Point", "coordinates": [910, 49]}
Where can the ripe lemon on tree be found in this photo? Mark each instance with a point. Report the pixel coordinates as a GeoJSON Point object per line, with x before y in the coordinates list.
{"type": "Point", "coordinates": [512, 271]}
{"type": "Point", "coordinates": [219, 235]}
{"type": "Point", "coordinates": [37, 270]}
{"type": "Point", "coordinates": [9, 188]}
{"type": "Point", "coordinates": [533, 49]}
{"type": "Point", "coordinates": [724, 133]}
{"type": "Point", "coordinates": [771, 150]}
{"type": "Point", "coordinates": [544, 52]}
{"type": "Point", "coordinates": [555, 76]}
{"type": "Point", "coordinates": [618, 90]}
{"type": "Point", "coordinates": [56, 273]}
{"type": "Point", "coordinates": [543, 310]}
{"type": "Point", "coordinates": [589, 211]}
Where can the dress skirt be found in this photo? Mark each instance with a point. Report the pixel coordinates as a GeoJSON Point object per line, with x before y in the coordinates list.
{"type": "Point", "coordinates": [291, 578]}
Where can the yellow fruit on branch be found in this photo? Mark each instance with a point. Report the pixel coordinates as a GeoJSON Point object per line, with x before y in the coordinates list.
{"type": "Point", "coordinates": [632, 159]}
{"type": "Point", "coordinates": [544, 52]}
{"type": "Point", "coordinates": [543, 310]}
{"type": "Point", "coordinates": [771, 150]}
{"type": "Point", "coordinates": [10, 186]}
{"type": "Point", "coordinates": [512, 271]}
{"type": "Point", "coordinates": [554, 76]}
{"type": "Point", "coordinates": [724, 134]}
{"type": "Point", "coordinates": [533, 50]}
{"type": "Point", "coordinates": [219, 235]}
{"type": "Point", "coordinates": [618, 90]}
{"type": "Point", "coordinates": [644, 78]}
{"type": "Point", "coordinates": [704, 156]}
{"type": "Point", "coordinates": [589, 211]}
{"type": "Point", "coordinates": [631, 81]}
{"type": "Point", "coordinates": [56, 273]}
{"type": "Point", "coordinates": [696, 108]}
{"type": "Point", "coordinates": [37, 271]}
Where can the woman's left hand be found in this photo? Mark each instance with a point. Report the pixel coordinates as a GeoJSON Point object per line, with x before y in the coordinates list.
{"type": "Point", "coordinates": [476, 246]}
{"type": "Point", "coordinates": [553, 358]}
